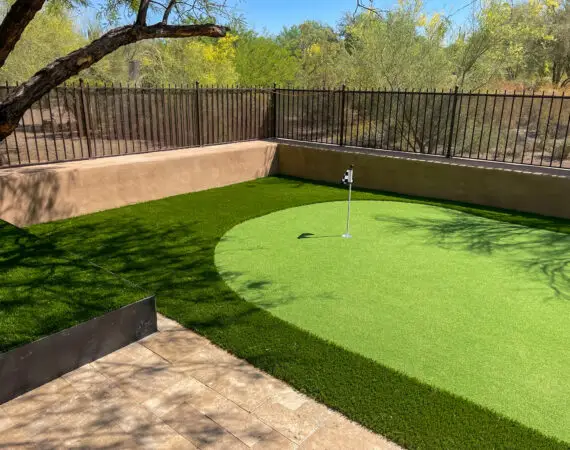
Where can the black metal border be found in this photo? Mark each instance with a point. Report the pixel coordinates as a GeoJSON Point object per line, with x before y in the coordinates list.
{"type": "Point", "coordinates": [31, 365]}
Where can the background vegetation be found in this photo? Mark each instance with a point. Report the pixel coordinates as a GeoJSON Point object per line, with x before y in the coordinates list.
{"type": "Point", "coordinates": [502, 46]}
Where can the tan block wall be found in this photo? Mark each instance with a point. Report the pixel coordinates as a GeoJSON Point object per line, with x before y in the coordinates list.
{"type": "Point", "coordinates": [39, 194]}
{"type": "Point", "coordinates": [522, 191]}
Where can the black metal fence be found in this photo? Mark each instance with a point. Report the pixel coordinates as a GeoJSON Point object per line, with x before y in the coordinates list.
{"type": "Point", "coordinates": [81, 122]}
{"type": "Point", "coordinates": [77, 122]}
{"type": "Point", "coordinates": [511, 127]}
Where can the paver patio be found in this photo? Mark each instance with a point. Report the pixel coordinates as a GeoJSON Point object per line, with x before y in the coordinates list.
{"type": "Point", "coordinates": [175, 389]}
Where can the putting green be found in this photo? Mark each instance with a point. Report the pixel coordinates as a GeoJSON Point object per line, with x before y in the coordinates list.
{"type": "Point", "coordinates": [476, 307]}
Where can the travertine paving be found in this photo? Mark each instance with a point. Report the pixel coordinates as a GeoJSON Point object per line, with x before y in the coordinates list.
{"type": "Point", "coordinates": [175, 389]}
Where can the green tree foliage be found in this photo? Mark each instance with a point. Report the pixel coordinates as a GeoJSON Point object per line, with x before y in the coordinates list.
{"type": "Point", "coordinates": [50, 35]}
{"type": "Point", "coordinates": [187, 61]}
{"type": "Point", "coordinates": [522, 43]}
{"type": "Point", "coordinates": [519, 33]}
{"type": "Point", "coordinates": [526, 41]}
{"type": "Point", "coordinates": [558, 48]}
{"type": "Point", "coordinates": [261, 61]}
{"type": "Point", "coordinates": [320, 52]}
{"type": "Point", "coordinates": [402, 49]}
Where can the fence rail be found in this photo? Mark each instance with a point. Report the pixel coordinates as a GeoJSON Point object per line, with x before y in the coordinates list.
{"type": "Point", "coordinates": [80, 122]}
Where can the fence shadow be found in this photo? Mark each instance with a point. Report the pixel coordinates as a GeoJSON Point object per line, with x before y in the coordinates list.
{"type": "Point", "coordinates": [545, 255]}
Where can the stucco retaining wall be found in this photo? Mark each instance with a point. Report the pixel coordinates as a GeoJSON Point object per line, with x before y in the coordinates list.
{"type": "Point", "coordinates": [37, 194]}
{"type": "Point", "coordinates": [535, 190]}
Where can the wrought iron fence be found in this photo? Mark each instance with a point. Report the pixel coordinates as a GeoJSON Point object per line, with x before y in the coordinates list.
{"type": "Point", "coordinates": [79, 122]}
{"type": "Point", "coordinates": [510, 127]}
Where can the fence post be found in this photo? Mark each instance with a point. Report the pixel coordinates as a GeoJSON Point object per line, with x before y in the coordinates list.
{"type": "Point", "coordinates": [198, 121]}
{"type": "Point", "coordinates": [84, 116]}
{"type": "Point", "coordinates": [274, 109]}
{"type": "Point", "coordinates": [6, 138]}
{"type": "Point", "coordinates": [342, 102]}
{"type": "Point", "coordinates": [452, 125]}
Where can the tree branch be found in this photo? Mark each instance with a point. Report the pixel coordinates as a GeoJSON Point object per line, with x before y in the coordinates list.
{"type": "Point", "coordinates": [21, 98]}
{"type": "Point", "coordinates": [19, 16]}
{"type": "Point", "coordinates": [167, 11]}
{"type": "Point", "coordinates": [378, 12]}
{"type": "Point", "coordinates": [141, 15]}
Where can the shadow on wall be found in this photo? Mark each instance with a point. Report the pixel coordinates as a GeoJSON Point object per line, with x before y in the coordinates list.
{"type": "Point", "coordinates": [270, 164]}
{"type": "Point", "coordinates": [545, 255]}
{"type": "Point", "coordinates": [32, 196]}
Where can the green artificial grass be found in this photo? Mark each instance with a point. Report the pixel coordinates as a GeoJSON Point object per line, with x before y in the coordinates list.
{"type": "Point", "coordinates": [168, 247]}
{"type": "Point", "coordinates": [473, 306]}
{"type": "Point", "coordinates": [44, 289]}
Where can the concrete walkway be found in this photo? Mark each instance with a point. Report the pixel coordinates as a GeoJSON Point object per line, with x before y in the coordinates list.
{"type": "Point", "coordinates": [175, 389]}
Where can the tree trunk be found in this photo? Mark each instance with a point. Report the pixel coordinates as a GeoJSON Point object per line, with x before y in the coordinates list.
{"type": "Point", "coordinates": [20, 99]}
{"type": "Point", "coordinates": [556, 72]}
{"type": "Point", "coordinates": [19, 16]}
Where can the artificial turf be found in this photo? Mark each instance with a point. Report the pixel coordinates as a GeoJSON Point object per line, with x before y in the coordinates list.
{"type": "Point", "coordinates": [474, 306]}
{"type": "Point", "coordinates": [44, 289]}
{"type": "Point", "coordinates": [168, 247]}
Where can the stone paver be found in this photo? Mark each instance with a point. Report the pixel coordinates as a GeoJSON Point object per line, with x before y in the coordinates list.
{"type": "Point", "coordinates": [175, 390]}
{"type": "Point", "coordinates": [293, 415]}
{"type": "Point", "coordinates": [339, 432]}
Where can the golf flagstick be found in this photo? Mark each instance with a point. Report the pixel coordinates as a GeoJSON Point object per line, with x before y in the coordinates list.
{"type": "Point", "coordinates": [348, 179]}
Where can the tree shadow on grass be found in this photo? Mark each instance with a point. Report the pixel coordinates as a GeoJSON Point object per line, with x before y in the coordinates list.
{"type": "Point", "coordinates": [543, 254]}
{"type": "Point", "coordinates": [171, 260]}
{"type": "Point", "coordinates": [44, 289]}
{"type": "Point", "coordinates": [257, 292]}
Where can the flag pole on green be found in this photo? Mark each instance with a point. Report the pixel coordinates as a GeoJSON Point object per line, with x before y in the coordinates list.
{"type": "Point", "coordinates": [348, 179]}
